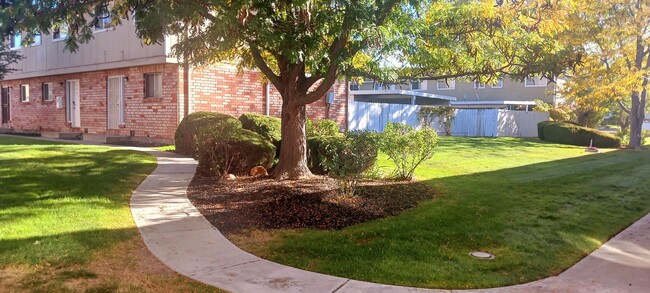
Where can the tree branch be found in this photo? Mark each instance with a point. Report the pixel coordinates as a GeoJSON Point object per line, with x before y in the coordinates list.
{"type": "Point", "coordinates": [261, 64]}
{"type": "Point", "coordinates": [623, 107]}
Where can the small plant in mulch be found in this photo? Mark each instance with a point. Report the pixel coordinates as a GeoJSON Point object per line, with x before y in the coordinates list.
{"type": "Point", "coordinates": [347, 158]}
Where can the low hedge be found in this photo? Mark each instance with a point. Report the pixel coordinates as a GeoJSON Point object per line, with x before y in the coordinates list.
{"type": "Point", "coordinates": [540, 129]}
{"type": "Point", "coordinates": [567, 133]}
{"type": "Point", "coordinates": [185, 138]}
{"type": "Point", "coordinates": [266, 126]}
{"type": "Point", "coordinates": [225, 149]}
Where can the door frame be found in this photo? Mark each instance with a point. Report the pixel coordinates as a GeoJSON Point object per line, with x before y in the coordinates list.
{"type": "Point", "coordinates": [8, 98]}
{"type": "Point", "coordinates": [121, 104]}
{"type": "Point", "coordinates": [74, 118]}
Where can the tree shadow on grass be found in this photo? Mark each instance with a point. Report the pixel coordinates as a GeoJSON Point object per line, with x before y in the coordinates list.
{"type": "Point", "coordinates": [61, 249]}
{"type": "Point", "coordinates": [538, 220]}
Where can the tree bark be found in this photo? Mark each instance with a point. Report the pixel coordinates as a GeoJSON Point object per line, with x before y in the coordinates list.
{"type": "Point", "coordinates": [636, 119]}
{"type": "Point", "coordinates": [293, 149]}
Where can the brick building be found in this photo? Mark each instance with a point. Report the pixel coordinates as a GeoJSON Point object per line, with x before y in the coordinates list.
{"type": "Point", "coordinates": [115, 86]}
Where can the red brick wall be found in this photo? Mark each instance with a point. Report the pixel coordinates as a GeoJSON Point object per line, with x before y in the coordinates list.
{"type": "Point", "coordinates": [154, 118]}
{"type": "Point", "coordinates": [223, 90]}
{"type": "Point", "coordinates": [36, 114]}
{"type": "Point", "coordinates": [216, 89]}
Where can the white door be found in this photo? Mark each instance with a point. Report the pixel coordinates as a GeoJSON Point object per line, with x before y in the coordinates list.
{"type": "Point", "coordinates": [115, 111]}
{"type": "Point", "coordinates": [73, 106]}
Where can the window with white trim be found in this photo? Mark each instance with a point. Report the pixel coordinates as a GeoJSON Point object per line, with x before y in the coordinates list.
{"type": "Point", "coordinates": [354, 86]}
{"type": "Point", "coordinates": [532, 81]}
{"type": "Point", "coordinates": [59, 33]}
{"type": "Point", "coordinates": [415, 85]}
{"type": "Point", "coordinates": [36, 39]}
{"type": "Point", "coordinates": [47, 92]}
{"type": "Point", "coordinates": [104, 22]}
{"type": "Point", "coordinates": [444, 84]}
{"type": "Point", "coordinates": [498, 84]}
{"type": "Point", "coordinates": [479, 85]}
{"type": "Point", "coordinates": [24, 93]}
{"type": "Point", "coordinates": [16, 41]}
{"type": "Point", "coordinates": [153, 85]}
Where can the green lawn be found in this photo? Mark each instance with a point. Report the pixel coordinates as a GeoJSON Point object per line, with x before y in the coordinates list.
{"type": "Point", "coordinates": [65, 218]}
{"type": "Point", "coordinates": [538, 207]}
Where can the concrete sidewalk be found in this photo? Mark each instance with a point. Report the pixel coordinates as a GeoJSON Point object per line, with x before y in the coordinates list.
{"type": "Point", "coordinates": [178, 235]}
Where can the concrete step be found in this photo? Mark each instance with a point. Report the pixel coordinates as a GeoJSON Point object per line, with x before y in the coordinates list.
{"type": "Point", "coordinates": [70, 135]}
{"type": "Point", "coordinates": [102, 138]}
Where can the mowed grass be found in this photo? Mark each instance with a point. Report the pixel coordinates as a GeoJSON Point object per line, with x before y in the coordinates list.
{"type": "Point", "coordinates": [65, 219]}
{"type": "Point", "coordinates": [538, 207]}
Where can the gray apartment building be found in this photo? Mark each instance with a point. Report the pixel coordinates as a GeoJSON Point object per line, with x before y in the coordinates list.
{"type": "Point", "coordinates": [505, 93]}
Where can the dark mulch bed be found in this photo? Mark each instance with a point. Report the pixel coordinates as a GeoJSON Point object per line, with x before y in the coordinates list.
{"type": "Point", "coordinates": [264, 203]}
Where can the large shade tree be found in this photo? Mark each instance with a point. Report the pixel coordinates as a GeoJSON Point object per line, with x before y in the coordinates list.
{"type": "Point", "coordinates": [615, 37]}
{"type": "Point", "coordinates": [303, 46]}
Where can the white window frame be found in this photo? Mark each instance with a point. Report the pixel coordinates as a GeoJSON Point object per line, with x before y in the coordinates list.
{"type": "Point", "coordinates": [354, 86]}
{"type": "Point", "coordinates": [451, 85]}
{"type": "Point", "coordinates": [157, 84]}
{"type": "Point", "coordinates": [478, 85]}
{"type": "Point", "coordinates": [105, 21]}
{"type": "Point", "coordinates": [48, 96]}
{"type": "Point", "coordinates": [498, 84]}
{"type": "Point", "coordinates": [62, 31]}
{"type": "Point", "coordinates": [418, 83]}
{"type": "Point", "coordinates": [24, 93]}
{"type": "Point", "coordinates": [39, 37]}
{"type": "Point", "coordinates": [16, 41]}
{"type": "Point", "coordinates": [535, 81]}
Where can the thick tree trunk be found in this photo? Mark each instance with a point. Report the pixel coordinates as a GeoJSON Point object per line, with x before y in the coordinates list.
{"type": "Point", "coordinates": [637, 114]}
{"type": "Point", "coordinates": [293, 150]}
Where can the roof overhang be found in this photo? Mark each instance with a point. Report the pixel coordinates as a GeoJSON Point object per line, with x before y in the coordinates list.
{"type": "Point", "coordinates": [490, 104]}
{"type": "Point", "coordinates": [401, 97]}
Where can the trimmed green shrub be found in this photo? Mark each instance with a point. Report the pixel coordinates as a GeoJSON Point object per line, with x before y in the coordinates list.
{"type": "Point", "coordinates": [323, 127]}
{"type": "Point", "coordinates": [266, 126]}
{"type": "Point", "coordinates": [407, 147]}
{"type": "Point", "coordinates": [347, 158]}
{"type": "Point", "coordinates": [315, 147]}
{"type": "Point", "coordinates": [540, 129]}
{"type": "Point", "coordinates": [185, 138]}
{"type": "Point", "coordinates": [225, 149]}
{"type": "Point", "coordinates": [567, 133]}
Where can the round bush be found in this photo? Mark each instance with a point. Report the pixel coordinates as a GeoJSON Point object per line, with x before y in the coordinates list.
{"type": "Point", "coordinates": [315, 151]}
{"type": "Point", "coordinates": [185, 138]}
{"type": "Point", "coordinates": [226, 149]}
{"type": "Point", "coordinates": [323, 127]}
{"type": "Point", "coordinates": [266, 126]}
{"type": "Point", "coordinates": [568, 133]}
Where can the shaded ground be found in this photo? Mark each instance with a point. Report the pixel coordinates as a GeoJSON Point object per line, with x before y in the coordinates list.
{"type": "Point", "coordinates": [264, 203]}
{"type": "Point", "coordinates": [110, 270]}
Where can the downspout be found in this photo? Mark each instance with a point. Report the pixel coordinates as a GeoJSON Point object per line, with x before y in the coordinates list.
{"type": "Point", "coordinates": [267, 98]}
{"type": "Point", "coordinates": [187, 77]}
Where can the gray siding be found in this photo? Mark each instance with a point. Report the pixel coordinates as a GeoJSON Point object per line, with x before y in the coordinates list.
{"type": "Point", "coordinates": [109, 49]}
{"type": "Point", "coordinates": [511, 91]}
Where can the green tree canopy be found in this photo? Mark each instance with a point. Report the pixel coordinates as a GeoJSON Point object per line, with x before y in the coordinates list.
{"type": "Point", "coordinates": [303, 46]}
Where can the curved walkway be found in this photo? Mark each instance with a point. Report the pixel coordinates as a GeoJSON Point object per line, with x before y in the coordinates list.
{"type": "Point", "coordinates": [178, 235]}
